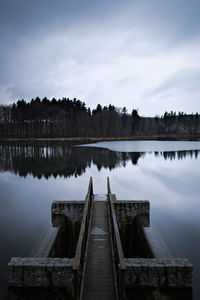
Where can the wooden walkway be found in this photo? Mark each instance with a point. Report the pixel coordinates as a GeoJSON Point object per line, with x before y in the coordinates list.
{"type": "Point", "coordinates": [99, 279]}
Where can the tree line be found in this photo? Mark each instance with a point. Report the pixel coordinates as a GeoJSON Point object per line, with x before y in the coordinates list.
{"type": "Point", "coordinates": [45, 118]}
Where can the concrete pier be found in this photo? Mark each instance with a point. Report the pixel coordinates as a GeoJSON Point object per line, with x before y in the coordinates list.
{"type": "Point", "coordinates": [100, 248]}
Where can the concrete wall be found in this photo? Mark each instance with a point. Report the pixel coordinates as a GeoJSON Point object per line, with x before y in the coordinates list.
{"type": "Point", "coordinates": [41, 272]}
{"type": "Point", "coordinates": [158, 273]}
{"type": "Point", "coordinates": [150, 242]}
{"type": "Point", "coordinates": [73, 210]}
{"type": "Point", "coordinates": [157, 268]}
{"type": "Point", "coordinates": [126, 211]}
{"type": "Point", "coordinates": [45, 242]}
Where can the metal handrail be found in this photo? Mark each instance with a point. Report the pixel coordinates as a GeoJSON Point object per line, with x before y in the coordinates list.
{"type": "Point", "coordinates": [82, 241]}
{"type": "Point", "coordinates": [116, 241]}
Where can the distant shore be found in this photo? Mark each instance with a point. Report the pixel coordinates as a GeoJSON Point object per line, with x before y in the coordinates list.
{"type": "Point", "coordinates": [135, 138]}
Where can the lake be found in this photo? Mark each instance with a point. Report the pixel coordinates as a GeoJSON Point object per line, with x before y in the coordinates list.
{"type": "Point", "coordinates": [167, 174]}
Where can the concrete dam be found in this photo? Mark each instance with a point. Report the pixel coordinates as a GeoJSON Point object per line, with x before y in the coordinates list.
{"type": "Point", "coordinates": [100, 248]}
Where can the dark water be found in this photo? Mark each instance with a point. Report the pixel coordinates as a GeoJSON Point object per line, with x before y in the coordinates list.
{"type": "Point", "coordinates": [32, 175]}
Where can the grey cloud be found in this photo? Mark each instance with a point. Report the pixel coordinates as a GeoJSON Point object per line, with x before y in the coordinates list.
{"type": "Point", "coordinates": [95, 50]}
{"type": "Point", "coordinates": [26, 15]}
{"type": "Point", "coordinates": [175, 19]}
{"type": "Point", "coordinates": [34, 20]}
{"type": "Point", "coordinates": [169, 22]}
{"type": "Point", "coordinates": [187, 79]}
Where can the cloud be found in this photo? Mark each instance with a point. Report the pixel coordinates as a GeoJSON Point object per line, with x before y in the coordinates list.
{"type": "Point", "coordinates": [138, 54]}
{"type": "Point", "coordinates": [6, 96]}
{"type": "Point", "coordinates": [187, 79]}
{"type": "Point", "coordinates": [170, 22]}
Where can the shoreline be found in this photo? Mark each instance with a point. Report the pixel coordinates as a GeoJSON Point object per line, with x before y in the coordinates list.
{"type": "Point", "coordinates": [135, 138]}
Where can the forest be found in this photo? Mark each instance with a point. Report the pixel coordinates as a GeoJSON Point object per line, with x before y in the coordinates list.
{"type": "Point", "coordinates": [66, 118]}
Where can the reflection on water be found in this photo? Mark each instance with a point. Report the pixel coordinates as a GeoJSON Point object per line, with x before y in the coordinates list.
{"type": "Point", "coordinates": [63, 159]}
{"type": "Point", "coordinates": [32, 175]}
{"type": "Point", "coordinates": [146, 146]}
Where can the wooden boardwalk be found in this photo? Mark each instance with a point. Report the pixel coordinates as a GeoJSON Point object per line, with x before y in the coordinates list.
{"type": "Point", "coordinates": [99, 279]}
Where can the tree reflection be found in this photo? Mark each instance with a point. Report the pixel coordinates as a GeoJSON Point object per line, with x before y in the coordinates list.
{"type": "Point", "coordinates": [172, 155]}
{"type": "Point", "coordinates": [45, 159]}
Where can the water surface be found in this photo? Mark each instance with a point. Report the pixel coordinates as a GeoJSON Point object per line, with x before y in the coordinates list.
{"type": "Point", "coordinates": [32, 175]}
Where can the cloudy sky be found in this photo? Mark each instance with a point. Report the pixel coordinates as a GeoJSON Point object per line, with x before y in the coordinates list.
{"type": "Point", "coordinates": [142, 54]}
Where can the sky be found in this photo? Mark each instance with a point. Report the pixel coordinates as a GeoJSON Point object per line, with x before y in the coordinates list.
{"type": "Point", "coordinates": [141, 54]}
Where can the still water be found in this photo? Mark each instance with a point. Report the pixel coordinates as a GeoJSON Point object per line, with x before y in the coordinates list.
{"type": "Point", "coordinates": [167, 174]}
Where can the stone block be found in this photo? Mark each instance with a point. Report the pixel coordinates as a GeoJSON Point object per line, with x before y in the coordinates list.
{"type": "Point", "coordinates": [40, 272]}
{"type": "Point", "coordinates": [158, 273]}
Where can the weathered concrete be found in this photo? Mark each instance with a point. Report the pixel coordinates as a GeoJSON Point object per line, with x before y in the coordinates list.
{"type": "Point", "coordinates": [46, 242]}
{"type": "Point", "coordinates": [73, 210]}
{"type": "Point", "coordinates": [147, 240]}
{"type": "Point", "coordinates": [95, 224]}
{"type": "Point", "coordinates": [41, 272]}
{"type": "Point", "coordinates": [156, 246]}
{"type": "Point", "coordinates": [158, 273]}
{"type": "Point", "coordinates": [126, 211]}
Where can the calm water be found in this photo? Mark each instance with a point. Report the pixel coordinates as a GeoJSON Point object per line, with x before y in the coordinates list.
{"type": "Point", "coordinates": [166, 173]}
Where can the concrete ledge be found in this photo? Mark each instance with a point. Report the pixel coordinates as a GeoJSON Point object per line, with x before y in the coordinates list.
{"type": "Point", "coordinates": [126, 211]}
{"type": "Point", "coordinates": [73, 210]}
{"type": "Point", "coordinates": [41, 272]}
{"type": "Point", "coordinates": [158, 273]}
{"type": "Point", "coordinates": [150, 241]}
{"type": "Point", "coordinates": [46, 242]}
